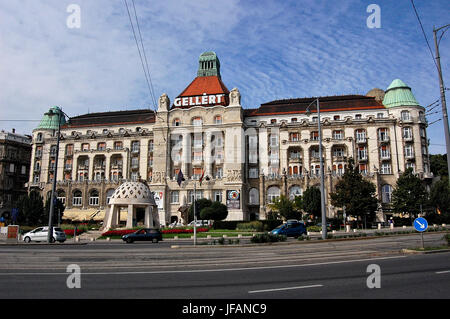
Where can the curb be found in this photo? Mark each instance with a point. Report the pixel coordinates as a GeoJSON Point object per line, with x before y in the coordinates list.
{"type": "Point", "coordinates": [425, 252]}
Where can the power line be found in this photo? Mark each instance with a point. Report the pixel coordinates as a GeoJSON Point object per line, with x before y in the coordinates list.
{"type": "Point", "coordinates": [424, 34]}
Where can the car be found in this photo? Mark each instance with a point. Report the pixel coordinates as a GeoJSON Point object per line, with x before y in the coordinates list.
{"type": "Point", "coordinates": [290, 229]}
{"type": "Point", "coordinates": [200, 223]}
{"type": "Point", "coordinates": [41, 234]}
{"type": "Point", "coordinates": [175, 224]}
{"type": "Point", "coordinates": [146, 234]}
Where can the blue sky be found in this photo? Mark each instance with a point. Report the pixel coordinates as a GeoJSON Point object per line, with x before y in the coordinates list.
{"type": "Point", "coordinates": [268, 49]}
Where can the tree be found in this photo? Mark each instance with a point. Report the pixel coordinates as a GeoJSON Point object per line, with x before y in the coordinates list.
{"type": "Point", "coordinates": [201, 203]}
{"type": "Point", "coordinates": [217, 211]}
{"type": "Point", "coordinates": [58, 210]}
{"type": "Point", "coordinates": [285, 208]}
{"type": "Point", "coordinates": [356, 194]}
{"type": "Point", "coordinates": [440, 202]}
{"type": "Point", "coordinates": [311, 201]}
{"type": "Point", "coordinates": [438, 165]}
{"type": "Point", "coordinates": [409, 195]}
{"type": "Point", "coordinates": [31, 210]}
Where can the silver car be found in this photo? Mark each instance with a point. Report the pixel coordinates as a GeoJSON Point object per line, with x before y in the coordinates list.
{"type": "Point", "coordinates": [41, 233]}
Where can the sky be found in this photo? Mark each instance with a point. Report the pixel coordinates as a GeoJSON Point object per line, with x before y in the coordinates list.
{"type": "Point", "coordinates": [269, 50]}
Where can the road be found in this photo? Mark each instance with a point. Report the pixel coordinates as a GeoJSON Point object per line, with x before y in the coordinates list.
{"type": "Point", "coordinates": [289, 270]}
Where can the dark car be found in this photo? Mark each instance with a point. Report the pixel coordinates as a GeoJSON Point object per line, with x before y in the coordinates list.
{"type": "Point", "coordinates": [146, 234]}
{"type": "Point", "coordinates": [291, 229]}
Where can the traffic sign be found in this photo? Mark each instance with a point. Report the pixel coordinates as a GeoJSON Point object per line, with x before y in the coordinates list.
{"type": "Point", "coordinates": [420, 224]}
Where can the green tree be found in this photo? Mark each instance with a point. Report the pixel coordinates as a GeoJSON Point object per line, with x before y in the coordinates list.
{"type": "Point", "coordinates": [217, 211]}
{"type": "Point", "coordinates": [201, 203]}
{"type": "Point", "coordinates": [440, 201]}
{"type": "Point", "coordinates": [356, 194]}
{"type": "Point", "coordinates": [409, 195]}
{"type": "Point", "coordinates": [31, 210]}
{"type": "Point", "coordinates": [438, 165]}
{"type": "Point", "coordinates": [311, 202]}
{"type": "Point", "coordinates": [58, 208]}
{"type": "Point", "coordinates": [285, 208]}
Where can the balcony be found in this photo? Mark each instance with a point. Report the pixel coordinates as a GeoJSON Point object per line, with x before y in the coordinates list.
{"type": "Point", "coordinates": [385, 157]}
{"type": "Point", "coordinates": [361, 140]}
{"type": "Point", "coordinates": [68, 167]}
{"type": "Point", "coordinates": [408, 138]}
{"type": "Point", "coordinates": [409, 156]}
{"type": "Point", "coordinates": [383, 139]}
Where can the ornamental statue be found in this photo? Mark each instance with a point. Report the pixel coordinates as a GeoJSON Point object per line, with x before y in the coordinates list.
{"type": "Point", "coordinates": [164, 102]}
{"type": "Point", "coordinates": [235, 97]}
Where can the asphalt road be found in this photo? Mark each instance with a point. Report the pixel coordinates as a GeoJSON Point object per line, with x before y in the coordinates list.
{"type": "Point", "coordinates": [289, 270]}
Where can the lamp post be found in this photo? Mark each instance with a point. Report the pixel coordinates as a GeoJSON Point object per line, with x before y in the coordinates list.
{"type": "Point", "coordinates": [322, 177]}
{"type": "Point", "coordinates": [53, 199]}
{"type": "Point", "coordinates": [442, 88]}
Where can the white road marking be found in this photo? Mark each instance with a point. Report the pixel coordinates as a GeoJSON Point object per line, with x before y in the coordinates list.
{"type": "Point", "coordinates": [280, 289]}
{"type": "Point", "coordinates": [202, 270]}
{"type": "Point", "coordinates": [442, 272]}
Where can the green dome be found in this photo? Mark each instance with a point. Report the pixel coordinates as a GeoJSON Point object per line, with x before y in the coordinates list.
{"type": "Point", "coordinates": [208, 64]}
{"type": "Point", "coordinates": [49, 121]}
{"type": "Point", "coordinates": [399, 94]}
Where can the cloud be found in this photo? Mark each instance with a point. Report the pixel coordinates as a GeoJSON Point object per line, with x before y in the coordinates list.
{"type": "Point", "coordinates": [268, 49]}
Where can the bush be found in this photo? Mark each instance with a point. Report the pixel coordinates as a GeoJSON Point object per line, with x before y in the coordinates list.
{"type": "Point", "coordinates": [267, 238]}
{"type": "Point", "coordinates": [447, 238]}
{"type": "Point", "coordinates": [314, 228]}
{"type": "Point", "coordinates": [255, 225]}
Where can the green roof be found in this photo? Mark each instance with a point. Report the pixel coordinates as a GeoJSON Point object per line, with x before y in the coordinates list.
{"type": "Point", "coordinates": [399, 94]}
{"type": "Point", "coordinates": [50, 122]}
{"type": "Point", "coordinates": [208, 64]}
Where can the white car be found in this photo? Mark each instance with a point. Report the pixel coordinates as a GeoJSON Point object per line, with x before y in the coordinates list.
{"type": "Point", "coordinates": [41, 233]}
{"type": "Point", "coordinates": [200, 223]}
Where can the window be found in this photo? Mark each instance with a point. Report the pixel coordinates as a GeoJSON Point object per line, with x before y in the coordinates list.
{"type": "Point", "coordinates": [358, 116]}
{"type": "Point", "coordinates": [218, 119]}
{"type": "Point", "coordinates": [362, 153]}
{"type": "Point", "coordinates": [294, 120]}
{"type": "Point", "coordinates": [273, 140]}
{"type": "Point", "coordinates": [314, 119]}
{"type": "Point", "coordinates": [77, 198]}
{"type": "Point", "coordinates": [174, 197]}
{"type": "Point", "coordinates": [294, 154]}
{"type": "Point", "coordinates": [118, 145]}
{"type": "Point", "coordinates": [39, 137]}
{"type": "Point", "coordinates": [69, 150]}
{"type": "Point", "coordinates": [197, 121]}
{"type": "Point", "coordinates": [339, 152]}
{"type": "Point", "coordinates": [386, 168]}
{"type": "Point", "coordinates": [253, 173]}
{"type": "Point", "coordinates": [294, 137]}
{"type": "Point", "coordinates": [23, 170]}
{"type": "Point", "coordinates": [295, 191]}
{"type": "Point", "coordinates": [361, 135]}
{"type": "Point", "coordinates": [197, 172]}
{"type": "Point", "coordinates": [405, 116]}
{"type": "Point", "coordinates": [423, 132]}
{"type": "Point", "coordinates": [385, 153]}
{"type": "Point", "coordinates": [218, 196]}
{"type": "Point", "coordinates": [386, 194]}
{"type": "Point", "coordinates": [314, 136]}
{"type": "Point", "coordinates": [363, 168]}
{"type": "Point", "coordinates": [39, 151]}
{"type": "Point", "coordinates": [101, 146]}
{"type": "Point", "coordinates": [135, 146]}
{"type": "Point", "coordinates": [412, 166]}
{"type": "Point", "coordinates": [53, 150]}
{"type": "Point", "coordinates": [109, 194]}
{"type": "Point", "coordinates": [409, 152]}
{"type": "Point", "coordinates": [253, 197]}
{"type": "Point", "coordinates": [198, 195]}
{"type": "Point", "coordinates": [336, 117]}
{"type": "Point", "coordinates": [273, 193]}
{"type": "Point", "coordinates": [93, 198]}
{"type": "Point", "coordinates": [383, 134]}
{"type": "Point", "coordinates": [176, 122]}
{"type": "Point", "coordinates": [150, 146]}
{"type": "Point", "coordinates": [380, 115]}
{"type": "Point", "coordinates": [424, 152]}
{"type": "Point", "coordinates": [85, 147]}
{"type": "Point", "coordinates": [407, 133]}
{"type": "Point", "coordinates": [134, 162]}
{"type": "Point", "coordinates": [219, 172]}
{"type": "Point", "coordinates": [338, 135]}
{"type": "Point", "coordinates": [12, 168]}
{"type": "Point", "coordinates": [273, 121]}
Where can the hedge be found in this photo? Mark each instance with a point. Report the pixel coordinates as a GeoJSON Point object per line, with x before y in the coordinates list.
{"type": "Point", "coordinates": [268, 224]}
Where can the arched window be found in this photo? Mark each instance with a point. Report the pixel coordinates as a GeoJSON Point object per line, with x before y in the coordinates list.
{"type": "Point", "coordinates": [93, 198]}
{"type": "Point", "coordinates": [197, 121]}
{"type": "Point", "coordinates": [62, 196]}
{"type": "Point", "coordinates": [218, 119]}
{"type": "Point", "coordinates": [386, 193]}
{"type": "Point", "coordinates": [253, 197]}
{"type": "Point", "coordinates": [295, 191]}
{"type": "Point", "coordinates": [273, 192]}
{"type": "Point", "coordinates": [77, 198]}
{"type": "Point", "coordinates": [176, 122]}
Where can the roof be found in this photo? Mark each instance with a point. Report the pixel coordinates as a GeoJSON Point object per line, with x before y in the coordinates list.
{"type": "Point", "coordinates": [205, 84]}
{"type": "Point", "coordinates": [50, 119]}
{"type": "Point", "coordinates": [132, 193]}
{"type": "Point", "coordinates": [399, 94]}
{"type": "Point", "coordinates": [326, 104]}
{"type": "Point", "coordinates": [113, 118]}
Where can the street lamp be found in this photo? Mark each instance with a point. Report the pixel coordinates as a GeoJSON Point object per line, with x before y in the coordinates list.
{"type": "Point", "coordinates": [53, 199]}
{"type": "Point", "coordinates": [322, 178]}
{"type": "Point", "coordinates": [441, 84]}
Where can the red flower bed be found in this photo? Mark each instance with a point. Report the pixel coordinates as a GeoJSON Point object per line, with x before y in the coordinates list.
{"type": "Point", "coordinates": [167, 231]}
{"type": "Point", "coordinates": [70, 232]}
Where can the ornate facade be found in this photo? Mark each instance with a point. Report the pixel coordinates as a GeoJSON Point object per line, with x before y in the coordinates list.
{"type": "Point", "coordinates": [246, 156]}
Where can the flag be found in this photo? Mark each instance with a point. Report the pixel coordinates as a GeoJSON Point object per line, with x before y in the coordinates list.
{"type": "Point", "coordinates": [180, 178]}
{"type": "Point", "coordinates": [201, 178]}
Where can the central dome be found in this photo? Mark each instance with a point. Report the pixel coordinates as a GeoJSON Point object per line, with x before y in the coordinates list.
{"type": "Point", "coordinates": [132, 193]}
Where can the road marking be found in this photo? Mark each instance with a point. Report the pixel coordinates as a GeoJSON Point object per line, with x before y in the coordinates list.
{"type": "Point", "coordinates": [442, 272]}
{"type": "Point", "coordinates": [204, 270]}
{"type": "Point", "coordinates": [280, 289]}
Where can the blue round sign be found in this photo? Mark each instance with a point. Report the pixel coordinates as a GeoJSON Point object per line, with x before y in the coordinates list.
{"type": "Point", "coordinates": [420, 224]}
